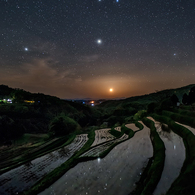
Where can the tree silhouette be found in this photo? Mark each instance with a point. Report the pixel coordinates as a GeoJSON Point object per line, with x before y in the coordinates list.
{"type": "Point", "coordinates": [62, 125]}
{"type": "Point", "coordinates": [192, 95]}
{"type": "Point", "coordinates": [174, 99]}
{"type": "Point", "coordinates": [185, 99]}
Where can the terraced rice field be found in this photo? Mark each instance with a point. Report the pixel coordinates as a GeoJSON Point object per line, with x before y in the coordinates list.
{"type": "Point", "coordinates": [102, 135]}
{"type": "Point", "coordinates": [175, 156]}
{"type": "Point", "coordinates": [114, 174]}
{"type": "Point", "coordinates": [23, 177]}
{"type": "Point", "coordinates": [117, 173]}
{"type": "Point", "coordinates": [17, 151]}
{"type": "Point", "coordinates": [118, 129]}
{"type": "Point", "coordinates": [96, 151]}
{"type": "Point", "coordinates": [132, 126]}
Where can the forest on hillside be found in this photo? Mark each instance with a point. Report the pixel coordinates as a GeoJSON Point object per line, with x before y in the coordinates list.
{"type": "Point", "coordinates": [39, 113]}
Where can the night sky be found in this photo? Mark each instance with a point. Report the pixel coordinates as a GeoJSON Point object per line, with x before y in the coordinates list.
{"type": "Point", "coordinates": [82, 48]}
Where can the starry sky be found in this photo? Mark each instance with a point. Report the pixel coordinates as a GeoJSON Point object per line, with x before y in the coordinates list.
{"type": "Point", "coordinates": [82, 48]}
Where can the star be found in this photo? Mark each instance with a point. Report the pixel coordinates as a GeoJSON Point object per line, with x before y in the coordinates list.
{"type": "Point", "coordinates": [26, 49]}
{"type": "Point", "coordinates": [99, 41]}
{"type": "Point", "coordinates": [174, 54]}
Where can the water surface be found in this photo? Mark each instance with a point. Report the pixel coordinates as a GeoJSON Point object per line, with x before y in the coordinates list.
{"type": "Point", "coordinates": [114, 174]}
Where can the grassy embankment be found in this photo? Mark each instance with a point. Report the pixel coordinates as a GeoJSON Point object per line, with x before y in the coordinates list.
{"type": "Point", "coordinates": [116, 133]}
{"type": "Point", "coordinates": [50, 178]}
{"type": "Point", "coordinates": [36, 152]}
{"type": "Point", "coordinates": [152, 173]}
{"type": "Point", "coordinates": [139, 125]}
{"type": "Point", "coordinates": [126, 130]}
{"type": "Point", "coordinates": [184, 184]}
{"type": "Point", "coordinates": [184, 111]}
{"type": "Point", "coordinates": [184, 118]}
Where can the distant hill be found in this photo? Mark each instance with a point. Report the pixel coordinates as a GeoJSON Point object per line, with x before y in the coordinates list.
{"type": "Point", "coordinates": [25, 112]}
{"type": "Point", "coordinates": [144, 100]}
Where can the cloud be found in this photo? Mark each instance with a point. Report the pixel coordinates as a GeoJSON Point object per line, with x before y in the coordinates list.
{"type": "Point", "coordinates": [42, 72]}
{"type": "Point", "coordinates": [40, 76]}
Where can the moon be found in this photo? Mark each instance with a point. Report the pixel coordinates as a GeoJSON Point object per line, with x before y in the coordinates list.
{"type": "Point", "coordinates": [111, 90]}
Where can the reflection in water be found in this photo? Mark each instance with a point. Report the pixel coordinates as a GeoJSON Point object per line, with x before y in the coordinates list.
{"type": "Point", "coordinates": [175, 156]}
{"type": "Point", "coordinates": [117, 173]}
{"type": "Point", "coordinates": [23, 177]}
{"type": "Point", "coordinates": [99, 159]}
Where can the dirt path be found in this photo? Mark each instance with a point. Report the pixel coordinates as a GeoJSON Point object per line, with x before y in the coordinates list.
{"type": "Point", "coordinates": [23, 177]}
{"type": "Point", "coordinates": [188, 127]}
{"type": "Point", "coordinates": [114, 174]}
{"type": "Point", "coordinates": [175, 156]}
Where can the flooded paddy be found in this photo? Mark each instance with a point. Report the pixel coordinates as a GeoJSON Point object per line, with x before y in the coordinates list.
{"type": "Point", "coordinates": [102, 135]}
{"type": "Point", "coordinates": [114, 174]}
{"type": "Point", "coordinates": [132, 126]}
{"type": "Point", "coordinates": [175, 156]}
{"type": "Point", "coordinates": [96, 151]}
{"type": "Point", "coordinates": [23, 177]}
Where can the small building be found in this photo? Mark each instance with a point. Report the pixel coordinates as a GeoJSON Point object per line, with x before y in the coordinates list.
{"type": "Point", "coordinates": [29, 101]}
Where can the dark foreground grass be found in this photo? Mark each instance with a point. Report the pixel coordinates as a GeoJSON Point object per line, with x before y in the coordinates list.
{"type": "Point", "coordinates": [153, 170]}
{"type": "Point", "coordinates": [184, 184]}
{"type": "Point", "coordinates": [116, 133]}
{"type": "Point", "coordinates": [139, 125]}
